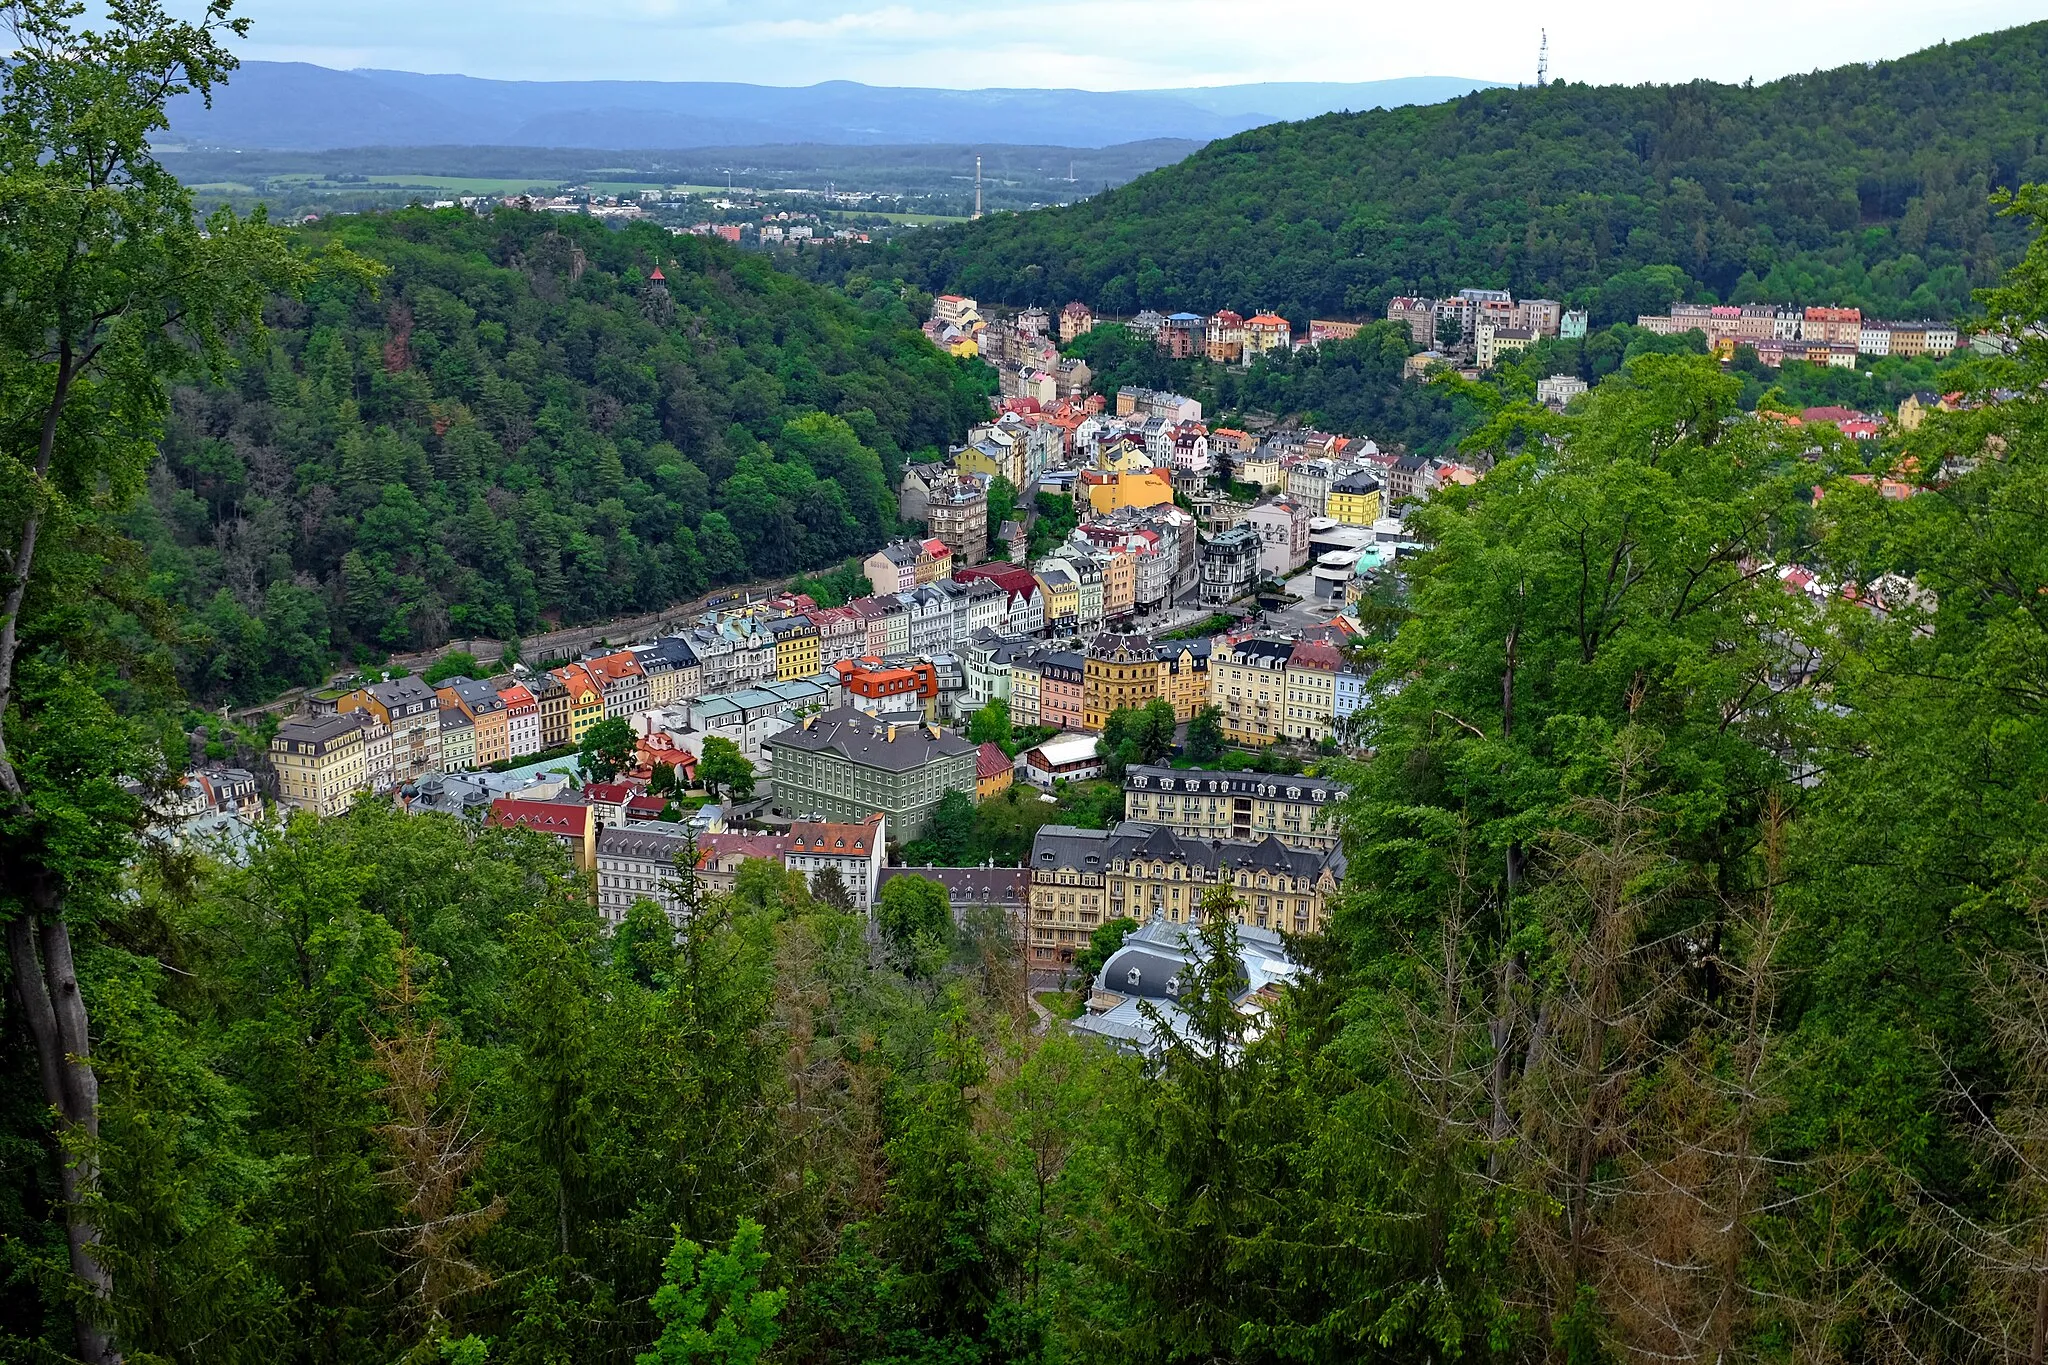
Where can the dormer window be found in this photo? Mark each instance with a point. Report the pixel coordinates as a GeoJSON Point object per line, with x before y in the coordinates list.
{"type": "Point", "coordinates": [1134, 978]}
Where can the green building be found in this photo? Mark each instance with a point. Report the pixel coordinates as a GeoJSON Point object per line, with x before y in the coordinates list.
{"type": "Point", "coordinates": [845, 765]}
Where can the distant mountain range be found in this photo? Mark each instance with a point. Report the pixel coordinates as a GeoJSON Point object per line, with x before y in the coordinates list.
{"type": "Point", "coordinates": [299, 107]}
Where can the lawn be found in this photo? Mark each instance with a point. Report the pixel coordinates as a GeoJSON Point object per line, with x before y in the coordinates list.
{"type": "Point", "coordinates": [1063, 1004]}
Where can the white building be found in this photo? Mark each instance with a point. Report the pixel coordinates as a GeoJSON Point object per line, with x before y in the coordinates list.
{"type": "Point", "coordinates": [1072, 757]}
{"type": "Point", "coordinates": [636, 860]}
{"type": "Point", "coordinates": [854, 851]}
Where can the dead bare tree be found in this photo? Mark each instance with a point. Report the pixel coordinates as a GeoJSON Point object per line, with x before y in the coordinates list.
{"type": "Point", "coordinates": [2000, 1245]}
{"type": "Point", "coordinates": [430, 1152]}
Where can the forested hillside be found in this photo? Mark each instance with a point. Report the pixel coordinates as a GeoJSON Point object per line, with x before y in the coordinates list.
{"type": "Point", "coordinates": [514, 427]}
{"type": "Point", "coordinates": [1684, 1001]}
{"type": "Point", "coordinates": [1685, 998]}
{"type": "Point", "coordinates": [1863, 185]}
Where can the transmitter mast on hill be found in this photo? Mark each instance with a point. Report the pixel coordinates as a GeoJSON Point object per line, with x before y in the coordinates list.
{"type": "Point", "coordinates": [1543, 59]}
{"type": "Point", "coordinates": [977, 187]}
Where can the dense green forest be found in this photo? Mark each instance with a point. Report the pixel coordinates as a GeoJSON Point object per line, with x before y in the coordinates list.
{"type": "Point", "coordinates": [1686, 996]}
{"type": "Point", "coordinates": [1863, 185]}
{"type": "Point", "coordinates": [512, 426]}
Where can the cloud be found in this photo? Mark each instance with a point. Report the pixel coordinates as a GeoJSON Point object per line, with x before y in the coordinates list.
{"type": "Point", "coordinates": [1114, 44]}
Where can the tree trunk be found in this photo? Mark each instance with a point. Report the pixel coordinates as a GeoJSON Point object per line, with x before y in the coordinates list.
{"type": "Point", "coordinates": [2040, 1351]}
{"type": "Point", "coordinates": [39, 948]}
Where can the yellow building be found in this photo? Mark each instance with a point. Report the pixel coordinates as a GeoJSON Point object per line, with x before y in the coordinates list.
{"type": "Point", "coordinates": [1061, 592]}
{"type": "Point", "coordinates": [1202, 804]}
{"type": "Point", "coordinates": [1154, 873]}
{"type": "Point", "coordinates": [1248, 682]}
{"type": "Point", "coordinates": [994, 773]}
{"type": "Point", "coordinates": [1123, 457]}
{"type": "Point", "coordinates": [1119, 584]}
{"type": "Point", "coordinates": [798, 651]}
{"type": "Point", "coordinates": [994, 455]}
{"type": "Point", "coordinates": [1355, 500]}
{"type": "Point", "coordinates": [321, 762]}
{"type": "Point", "coordinates": [1263, 470]}
{"type": "Point", "coordinates": [1121, 673]}
{"type": "Point", "coordinates": [1129, 490]}
{"type": "Point", "coordinates": [1069, 892]}
{"type": "Point", "coordinates": [1311, 678]}
{"type": "Point", "coordinates": [1026, 676]}
{"type": "Point", "coordinates": [492, 742]}
{"type": "Point", "coordinates": [1913, 410]}
{"type": "Point", "coordinates": [586, 700]}
{"type": "Point", "coordinates": [1184, 676]}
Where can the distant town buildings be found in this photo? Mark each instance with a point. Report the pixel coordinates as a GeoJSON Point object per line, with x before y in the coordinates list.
{"type": "Point", "coordinates": [844, 765]}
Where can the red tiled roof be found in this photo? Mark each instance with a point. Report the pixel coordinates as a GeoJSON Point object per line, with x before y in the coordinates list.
{"type": "Point", "coordinates": [1316, 654]}
{"type": "Point", "coordinates": [713, 846]}
{"type": "Point", "coordinates": [574, 677]}
{"type": "Point", "coordinates": [612, 667]}
{"type": "Point", "coordinates": [545, 817]}
{"type": "Point", "coordinates": [657, 274]}
{"type": "Point", "coordinates": [611, 793]}
{"type": "Point", "coordinates": [852, 841]}
{"type": "Point", "coordinates": [990, 761]}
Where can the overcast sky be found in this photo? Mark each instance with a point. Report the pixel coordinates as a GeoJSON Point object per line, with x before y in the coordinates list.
{"type": "Point", "coordinates": [1108, 44]}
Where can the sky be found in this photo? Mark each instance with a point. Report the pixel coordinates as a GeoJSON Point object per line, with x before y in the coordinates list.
{"type": "Point", "coordinates": [1107, 44]}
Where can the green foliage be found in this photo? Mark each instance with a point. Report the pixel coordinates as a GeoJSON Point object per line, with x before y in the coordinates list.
{"type": "Point", "coordinates": [1002, 504]}
{"type": "Point", "coordinates": [608, 749]}
{"type": "Point", "coordinates": [712, 1308]}
{"type": "Point", "coordinates": [991, 725]}
{"type": "Point", "coordinates": [1057, 516]}
{"type": "Point", "coordinates": [1620, 198]}
{"type": "Point", "coordinates": [1200, 630]}
{"type": "Point", "coordinates": [661, 779]}
{"type": "Point", "coordinates": [837, 588]}
{"type": "Point", "coordinates": [916, 919]}
{"type": "Point", "coordinates": [515, 431]}
{"type": "Point", "coordinates": [998, 830]}
{"type": "Point", "coordinates": [829, 889]}
{"type": "Point", "coordinates": [724, 768]}
{"type": "Point", "coordinates": [1103, 941]}
{"type": "Point", "coordinates": [1137, 735]}
{"type": "Point", "coordinates": [644, 944]}
{"type": "Point", "coordinates": [1090, 805]}
{"type": "Point", "coordinates": [454, 664]}
{"type": "Point", "coordinates": [1205, 735]}
{"type": "Point", "coordinates": [949, 830]}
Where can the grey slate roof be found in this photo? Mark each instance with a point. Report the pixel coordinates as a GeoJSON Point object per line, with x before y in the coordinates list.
{"type": "Point", "coordinates": [635, 839]}
{"type": "Point", "coordinates": [1131, 840]}
{"type": "Point", "coordinates": [1271, 653]}
{"type": "Point", "coordinates": [996, 885]}
{"type": "Point", "coordinates": [864, 739]}
{"type": "Point", "coordinates": [479, 696]}
{"type": "Point", "coordinates": [1215, 782]}
{"type": "Point", "coordinates": [1062, 848]}
{"type": "Point", "coordinates": [402, 691]}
